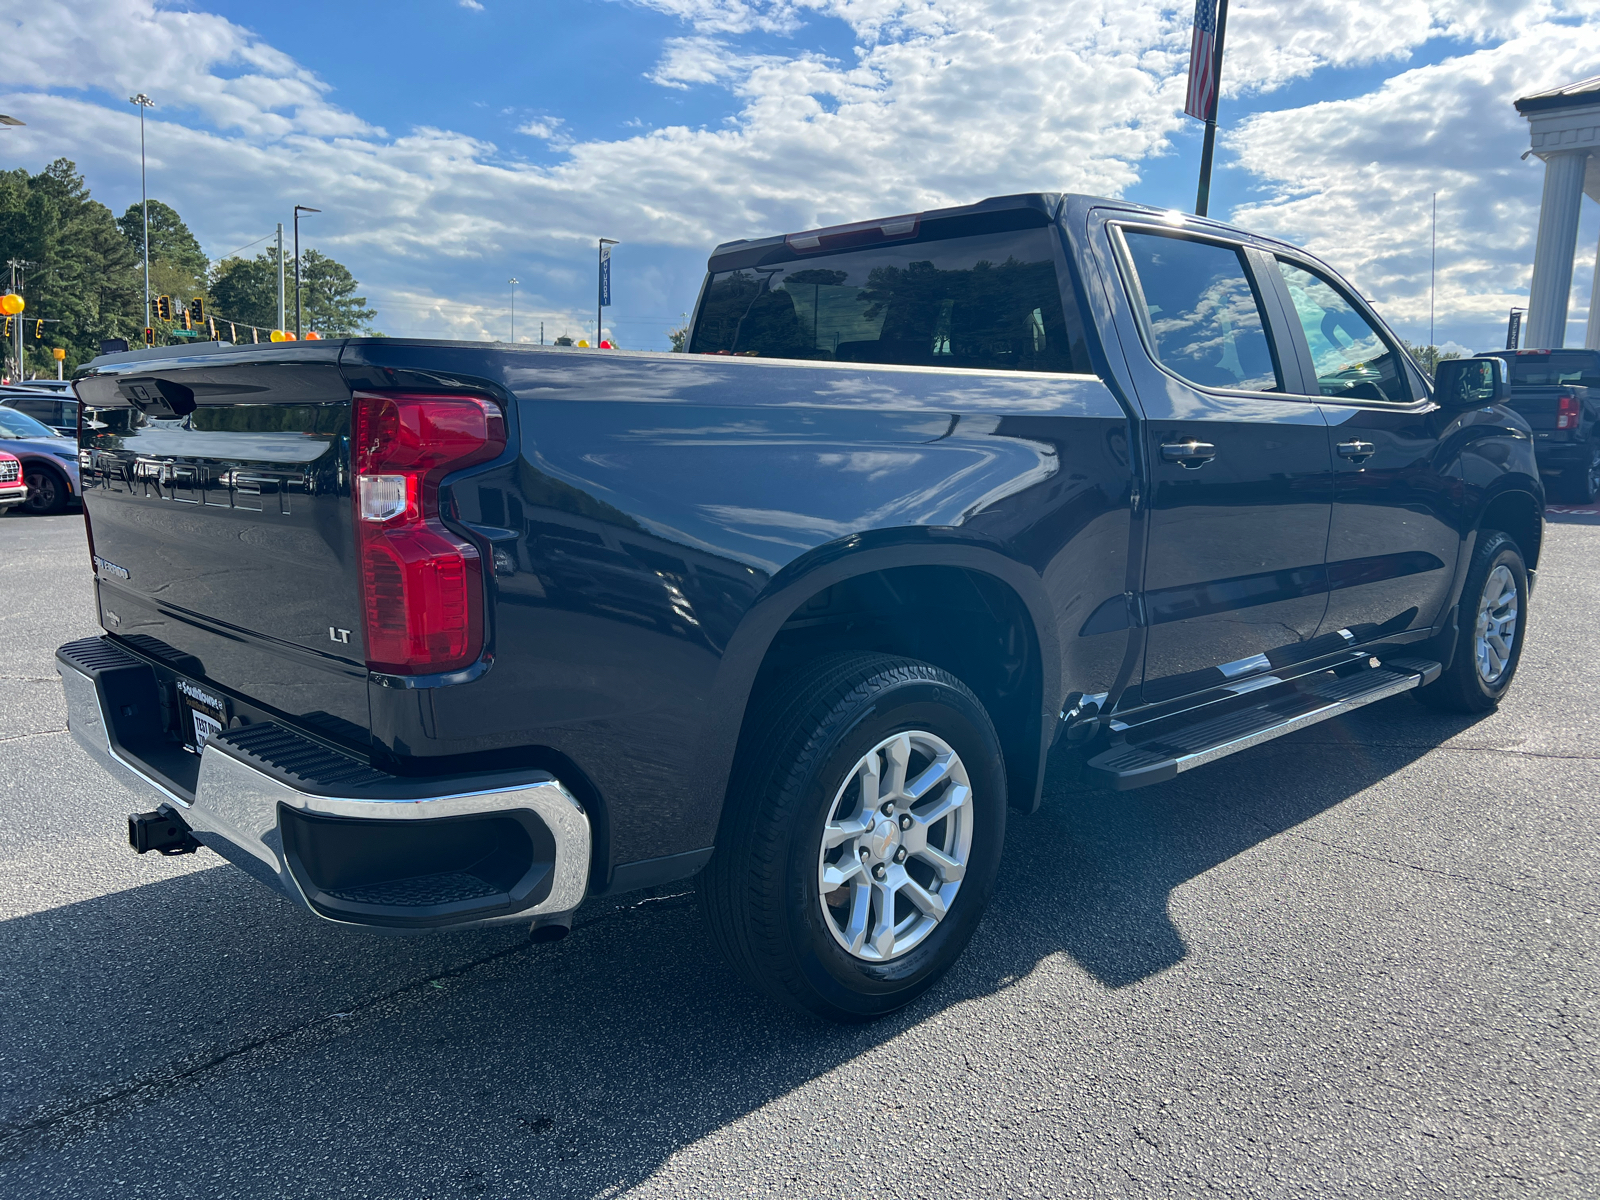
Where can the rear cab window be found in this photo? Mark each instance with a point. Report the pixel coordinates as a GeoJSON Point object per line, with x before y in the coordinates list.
{"type": "Point", "coordinates": [923, 292]}
{"type": "Point", "coordinates": [1552, 369]}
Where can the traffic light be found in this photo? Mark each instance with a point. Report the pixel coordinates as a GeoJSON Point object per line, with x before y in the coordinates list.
{"type": "Point", "coordinates": [164, 307]}
{"type": "Point", "coordinates": [197, 312]}
{"type": "Point", "coordinates": [183, 318]}
{"type": "Point", "coordinates": [8, 326]}
{"type": "Point", "coordinates": [38, 330]}
{"type": "Point", "coordinates": [212, 323]}
{"type": "Point", "coordinates": [149, 336]}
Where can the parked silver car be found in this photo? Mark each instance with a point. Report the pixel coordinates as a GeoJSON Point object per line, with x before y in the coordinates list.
{"type": "Point", "coordinates": [49, 461]}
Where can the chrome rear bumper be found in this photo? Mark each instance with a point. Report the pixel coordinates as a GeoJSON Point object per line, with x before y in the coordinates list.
{"type": "Point", "coordinates": [253, 813]}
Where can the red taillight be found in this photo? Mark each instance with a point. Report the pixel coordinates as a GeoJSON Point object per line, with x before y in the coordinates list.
{"type": "Point", "coordinates": [1569, 413]}
{"type": "Point", "coordinates": [421, 584]}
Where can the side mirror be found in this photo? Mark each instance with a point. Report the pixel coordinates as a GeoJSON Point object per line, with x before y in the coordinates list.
{"type": "Point", "coordinates": [1470, 382]}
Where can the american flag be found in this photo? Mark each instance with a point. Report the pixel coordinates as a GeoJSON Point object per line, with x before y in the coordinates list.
{"type": "Point", "coordinates": [1203, 61]}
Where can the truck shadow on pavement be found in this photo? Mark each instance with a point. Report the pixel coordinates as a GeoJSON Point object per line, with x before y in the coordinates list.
{"type": "Point", "coordinates": [320, 1062]}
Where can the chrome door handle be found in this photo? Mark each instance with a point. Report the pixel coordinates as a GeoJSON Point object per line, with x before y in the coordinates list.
{"type": "Point", "coordinates": [1190, 454]}
{"type": "Point", "coordinates": [1357, 452]}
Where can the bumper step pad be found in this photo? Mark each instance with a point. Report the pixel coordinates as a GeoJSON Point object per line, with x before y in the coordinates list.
{"type": "Point", "coordinates": [1143, 755]}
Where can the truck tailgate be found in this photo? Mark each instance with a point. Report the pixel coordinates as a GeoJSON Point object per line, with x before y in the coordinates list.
{"type": "Point", "coordinates": [217, 490]}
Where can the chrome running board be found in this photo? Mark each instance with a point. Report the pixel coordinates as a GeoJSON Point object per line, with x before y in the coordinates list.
{"type": "Point", "coordinates": [1161, 750]}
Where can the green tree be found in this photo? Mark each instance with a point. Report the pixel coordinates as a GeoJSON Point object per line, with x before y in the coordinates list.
{"type": "Point", "coordinates": [184, 264]}
{"type": "Point", "coordinates": [246, 289]}
{"type": "Point", "coordinates": [1428, 357]}
{"type": "Point", "coordinates": [327, 296]}
{"type": "Point", "coordinates": [81, 276]}
{"type": "Point", "coordinates": [679, 334]}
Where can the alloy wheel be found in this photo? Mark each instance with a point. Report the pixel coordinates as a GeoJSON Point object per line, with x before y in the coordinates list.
{"type": "Point", "coordinates": [896, 845]}
{"type": "Point", "coordinates": [1496, 633]}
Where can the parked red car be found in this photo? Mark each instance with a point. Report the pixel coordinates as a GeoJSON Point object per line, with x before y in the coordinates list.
{"type": "Point", "coordinates": [13, 489]}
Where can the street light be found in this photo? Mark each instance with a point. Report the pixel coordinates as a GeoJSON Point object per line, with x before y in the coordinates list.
{"type": "Point", "coordinates": [513, 281]}
{"type": "Point", "coordinates": [298, 209]}
{"type": "Point", "coordinates": [144, 102]}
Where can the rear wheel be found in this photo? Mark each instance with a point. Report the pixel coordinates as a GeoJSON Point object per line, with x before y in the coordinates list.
{"type": "Point", "coordinates": [1580, 483]}
{"type": "Point", "coordinates": [862, 836]}
{"type": "Point", "coordinates": [1491, 616]}
{"type": "Point", "coordinates": [47, 491]}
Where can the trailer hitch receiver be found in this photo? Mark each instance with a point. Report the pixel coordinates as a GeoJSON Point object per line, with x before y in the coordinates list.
{"type": "Point", "coordinates": [163, 831]}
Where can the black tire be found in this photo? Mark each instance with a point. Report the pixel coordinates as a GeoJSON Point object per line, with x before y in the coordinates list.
{"type": "Point", "coordinates": [761, 894]}
{"type": "Point", "coordinates": [47, 490]}
{"type": "Point", "coordinates": [1464, 686]}
{"type": "Point", "coordinates": [1580, 483]}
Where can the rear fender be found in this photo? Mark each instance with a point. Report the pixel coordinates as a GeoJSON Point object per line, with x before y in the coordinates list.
{"type": "Point", "coordinates": [861, 555]}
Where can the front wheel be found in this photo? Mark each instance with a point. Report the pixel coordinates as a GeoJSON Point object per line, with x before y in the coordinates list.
{"type": "Point", "coordinates": [47, 491]}
{"type": "Point", "coordinates": [1580, 483]}
{"type": "Point", "coordinates": [862, 836]}
{"type": "Point", "coordinates": [1492, 616]}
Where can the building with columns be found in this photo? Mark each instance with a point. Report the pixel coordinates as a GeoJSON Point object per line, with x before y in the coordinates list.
{"type": "Point", "coordinates": [1565, 127]}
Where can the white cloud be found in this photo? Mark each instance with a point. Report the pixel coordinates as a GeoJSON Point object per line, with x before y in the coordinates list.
{"type": "Point", "coordinates": [470, 4]}
{"type": "Point", "coordinates": [548, 128]}
{"type": "Point", "coordinates": [942, 101]}
{"type": "Point", "coordinates": [1352, 180]}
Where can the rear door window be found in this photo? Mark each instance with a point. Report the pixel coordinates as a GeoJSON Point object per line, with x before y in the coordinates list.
{"type": "Point", "coordinates": [1352, 360]}
{"type": "Point", "coordinates": [1204, 320]}
{"type": "Point", "coordinates": [988, 301]}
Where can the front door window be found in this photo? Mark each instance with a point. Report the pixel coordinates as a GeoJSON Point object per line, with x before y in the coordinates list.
{"type": "Point", "coordinates": [1352, 359]}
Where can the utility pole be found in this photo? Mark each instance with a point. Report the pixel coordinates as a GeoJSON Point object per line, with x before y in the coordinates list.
{"type": "Point", "coordinates": [17, 264]}
{"type": "Point", "coordinates": [513, 282]}
{"type": "Point", "coordinates": [1433, 270]}
{"type": "Point", "coordinates": [281, 309]}
{"type": "Point", "coordinates": [298, 209]}
{"type": "Point", "coordinates": [144, 102]}
{"type": "Point", "coordinates": [16, 322]}
{"type": "Point", "coordinates": [541, 333]}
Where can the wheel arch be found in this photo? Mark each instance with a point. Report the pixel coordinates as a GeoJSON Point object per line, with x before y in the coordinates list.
{"type": "Point", "coordinates": [35, 462]}
{"type": "Point", "coordinates": [1518, 512]}
{"type": "Point", "coordinates": [1004, 596]}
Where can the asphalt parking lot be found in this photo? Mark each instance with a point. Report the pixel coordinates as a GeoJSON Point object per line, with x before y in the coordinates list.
{"type": "Point", "coordinates": [1364, 960]}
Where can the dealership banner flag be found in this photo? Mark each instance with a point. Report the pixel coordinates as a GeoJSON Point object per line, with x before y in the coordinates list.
{"type": "Point", "coordinates": [605, 276]}
{"type": "Point", "coordinates": [1202, 97]}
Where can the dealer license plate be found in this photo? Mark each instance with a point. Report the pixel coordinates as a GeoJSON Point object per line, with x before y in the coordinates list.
{"type": "Point", "coordinates": [208, 714]}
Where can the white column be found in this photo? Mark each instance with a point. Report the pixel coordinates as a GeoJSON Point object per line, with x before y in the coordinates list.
{"type": "Point", "coordinates": [1554, 251]}
{"type": "Point", "coordinates": [1591, 334]}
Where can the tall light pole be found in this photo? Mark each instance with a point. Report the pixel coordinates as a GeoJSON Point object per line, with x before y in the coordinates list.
{"type": "Point", "coordinates": [281, 310]}
{"type": "Point", "coordinates": [513, 281]}
{"type": "Point", "coordinates": [298, 209]}
{"type": "Point", "coordinates": [144, 102]}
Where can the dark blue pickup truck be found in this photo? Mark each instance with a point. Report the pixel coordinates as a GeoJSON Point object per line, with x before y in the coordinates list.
{"type": "Point", "coordinates": [433, 634]}
{"type": "Point", "coordinates": [1558, 393]}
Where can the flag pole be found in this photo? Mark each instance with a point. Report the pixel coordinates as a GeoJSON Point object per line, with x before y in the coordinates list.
{"type": "Point", "coordinates": [1203, 198]}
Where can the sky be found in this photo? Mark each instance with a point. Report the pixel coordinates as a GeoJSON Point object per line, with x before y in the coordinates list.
{"type": "Point", "coordinates": [455, 144]}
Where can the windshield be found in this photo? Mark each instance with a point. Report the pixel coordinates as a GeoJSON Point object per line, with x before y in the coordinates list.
{"type": "Point", "coordinates": [20, 425]}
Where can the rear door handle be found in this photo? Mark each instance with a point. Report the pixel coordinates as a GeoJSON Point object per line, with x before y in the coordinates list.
{"type": "Point", "coordinates": [1190, 454]}
{"type": "Point", "coordinates": [1357, 451]}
